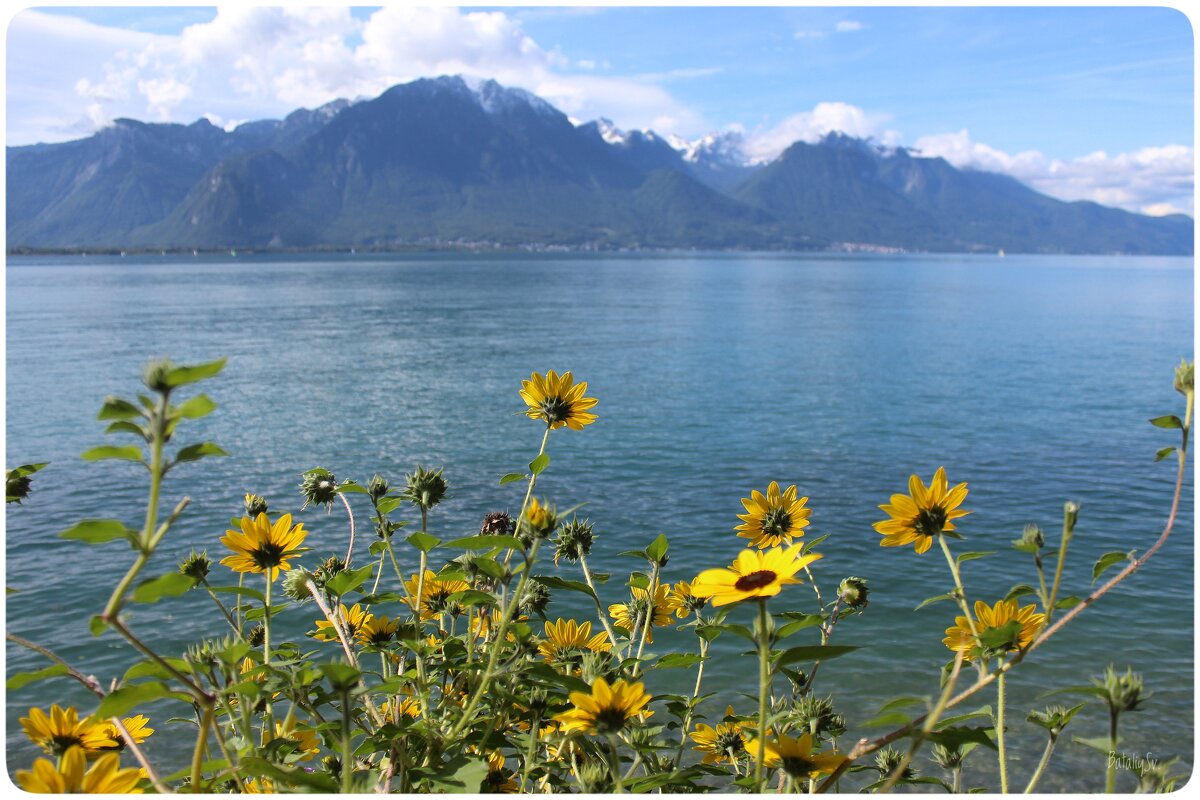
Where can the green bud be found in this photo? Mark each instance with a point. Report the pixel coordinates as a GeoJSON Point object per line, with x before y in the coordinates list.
{"type": "Point", "coordinates": [535, 598]}
{"type": "Point", "coordinates": [574, 540]}
{"type": "Point", "coordinates": [256, 636]}
{"type": "Point", "coordinates": [1185, 375]}
{"type": "Point", "coordinates": [948, 758]}
{"type": "Point", "coordinates": [1123, 692]}
{"type": "Point", "coordinates": [319, 487]}
{"type": "Point", "coordinates": [1032, 535]}
{"type": "Point", "coordinates": [853, 592]}
{"type": "Point", "coordinates": [154, 375]}
{"type": "Point", "coordinates": [888, 759]}
{"type": "Point", "coordinates": [196, 565]}
{"type": "Point", "coordinates": [295, 584]}
{"type": "Point", "coordinates": [377, 487]}
{"type": "Point", "coordinates": [425, 488]}
{"type": "Point", "coordinates": [254, 505]}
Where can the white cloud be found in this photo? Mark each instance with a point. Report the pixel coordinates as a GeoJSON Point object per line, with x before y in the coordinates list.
{"type": "Point", "coordinates": [1153, 180]}
{"type": "Point", "coordinates": [810, 126]}
{"type": "Point", "coordinates": [848, 26]}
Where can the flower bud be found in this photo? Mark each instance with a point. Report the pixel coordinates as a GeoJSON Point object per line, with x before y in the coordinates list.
{"type": "Point", "coordinates": [319, 487]}
{"type": "Point", "coordinates": [574, 540]}
{"type": "Point", "coordinates": [534, 599]}
{"type": "Point", "coordinates": [154, 375]}
{"type": "Point", "coordinates": [1124, 692]}
{"type": "Point", "coordinates": [196, 565]}
{"type": "Point", "coordinates": [254, 505]}
{"type": "Point", "coordinates": [853, 592]}
{"type": "Point", "coordinates": [888, 759]}
{"type": "Point", "coordinates": [425, 488]}
{"type": "Point", "coordinates": [377, 487]}
{"type": "Point", "coordinates": [1032, 535]}
{"type": "Point", "coordinates": [539, 521]}
{"type": "Point", "coordinates": [256, 636]}
{"type": "Point", "coordinates": [1185, 375]}
{"type": "Point", "coordinates": [295, 584]}
{"type": "Point", "coordinates": [948, 758]}
{"type": "Point", "coordinates": [497, 523]}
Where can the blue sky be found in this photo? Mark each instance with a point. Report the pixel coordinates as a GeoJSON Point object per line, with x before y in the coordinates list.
{"type": "Point", "coordinates": [1082, 103]}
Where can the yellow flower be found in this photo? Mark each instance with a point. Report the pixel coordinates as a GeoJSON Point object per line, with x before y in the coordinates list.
{"type": "Point", "coordinates": [795, 756]}
{"type": "Point", "coordinates": [684, 600]}
{"type": "Point", "coordinates": [922, 514]}
{"type": "Point", "coordinates": [631, 616]}
{"type": "Point", "coordinates": [754, 573]}
{"type": "Point", "coordinates": [377, 630]}
{"type": "Point", "coordinates": [606, 710]}
{"type": "Point", "coordinates": [960, 639]}
{"type": "Point", "coordinates": [137, 727]}
{"type": "Point", "coordinates": [70, 777]}
{"type": "Point", "coordinates": [498, 780]}
{"type": "Point", "coordinates": [567, 639]}
{"type": "Point", "coordinates": [724, 744]}
{"type": "Point", "coordinates": [773, 519]}
{"type": "Point", "coordinates": [258, 786]}
{"type": "Point", "coordinates": [261, 546]}
{"type": "Point", "coordinates": [408, 706]}
{"type": "Point", "coordinates": [353, 619]}
{"type": "Point", "coordinates": [307, 743]}
{"type": "Point", "coordinates": [540, 518]}
{"type": "Point", "coordinates": [558, 400]}
{"type": "Point", "coordinates": [62, 729]}
{"type": "Point", "coordinates": [435, 592]}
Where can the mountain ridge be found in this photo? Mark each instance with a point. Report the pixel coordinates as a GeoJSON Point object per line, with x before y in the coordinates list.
{"type": "Point", "coordinates": [441, 160]}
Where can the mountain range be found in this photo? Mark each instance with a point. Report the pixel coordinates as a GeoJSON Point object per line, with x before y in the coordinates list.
{"type": "Point", "coordinates": [441, 161]}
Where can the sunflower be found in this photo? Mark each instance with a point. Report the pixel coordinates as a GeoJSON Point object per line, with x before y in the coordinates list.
{"type": "Point", "coordinates": [1005, 612]}
{"type": "Point", "coordinates": [606, 710]}
{"type": "Point", "coordinates": [922, 514]}
{"type": "Point", "coordinates": [795, 756]}
{"type": "Point", "coordinates": [498, 780]}
{"type": "Point", "coordinates": [307, 743]}
{"type": "Point", "coordinates": [377, 630]}
{"type": "Point", "coordinates": [685, 601]}
{"type": "Point", "coordinates": [754, 573]}
{"type": "Point", "coordinates": [773, 519]}
{"type": "Point", "coordinates": [567, 640]}
{"type": "Point", "coordinates": [726, 743]}
{"type": "Point", "coordinates": [485, 623]}
{"type": "Point", "coordinates": [70, 777]}
{"type": "Point", "coordinates": [258, 786]}
{"type": "Point", "coordinates": [631, 616]}
{"type": "Point", "coordinates": [435, 593]}
{"type": "Point", "coordinates": [137, 727]}
{"type": "Point", "coordinates": [261, 546]}
{"type": "Point", "coordinates": [558, 400]}
{"type": "Point", "coordinates": [352, 619]}
{"type": "Point", "coordinates": [61, 729]}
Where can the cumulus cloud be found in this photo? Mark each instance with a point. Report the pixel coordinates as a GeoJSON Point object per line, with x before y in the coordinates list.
{"type": "Point", "coordinates": [809, 126]}
{"type": "Point", "coordinates": [848, 26]}
{"type": "Point", "coordinates": [255, 62]}
{"type": "Point", "coordinates": [1152, 180]}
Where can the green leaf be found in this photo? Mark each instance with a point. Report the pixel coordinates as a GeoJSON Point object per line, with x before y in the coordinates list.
{"type": "Point", "coordinates": [152, 669]}
{"type": "Point", "coordinates": [954, 737]}
{"type": "Point", "coordinates": [1100, 743]}
{"type": "Point", "coordinates": [657, 549]}
{"type": "Point", "coordinates": [129, 452]}
{"type": "Point", "coordinates": [98, 531]}
{"type": "Point", "coordinates": [472, 597]}
{"type": "Point", "coordinates": [389, 504]}
{"type": "Point", "coordinates": [194, 452]}
{"type": "Point", "coordinates": [486, 542]}
{"type": "Point", "coordinates": [810, 544]}
{"type": "Point", "coordinates": [1001, 637]}
{"type": "Point", "coordinates": [805, 621]}
{"type": "Point", "coordinates": [351, 486]}
{"type": "Point", "coordinates": [116, 408]}
{"type": "Point", "coordinates": [97, 625]}
{"type": "Point", "coordinates": [25, 678]}
{"type": "Point", "coordinates": [199, 406]}
{"type": "Point", "coordinates": [1020, 590]}
{"type": "Point", "coordinates": [1161, 454]}
{"type": "Point", "coordinates": [539, 464]}
{"type": "Point", "coordinates": [125, 426]}
{"type": "Point", "coordinates": [244, 591]}
{"type": "Point", "coordinates": [1070, 601]}
{"type": "Point", "coordinates": [982, 711]}
{"type": "Point", "coordinates": [172, 584]}
{"type": "Point", "coordinates": [814, 652]}
{"type": "Point", "coordinates": [460, 775]}
{"type": "Point", "coordinates": [121, 700]}
{"type": "Point", "coordinates": [935, 599]}
{"type": "Point", "coordinates": [1107, 560]}
{"type": "Point", "coordinates": [513, 477]}
{"type": "Point", "coordinates": [348, 580]}
{"type": "Point", "coordinates": [890, 719]}
{"type": "Point", "coordinates": [973, 556]}
{"type": "Point", "coordinates": [341, 676]}
{"type": "Point", "coordinates": [423, 541]}
{"type": "Point", "coordinates": [191, 373]}
{"type": "Point", "coordinates": [1169, 421]}
{"type": "Point", "coordinates": [260, 767]}
{"type": "Point", "coordinates": [258, 613]}
{"type": "Point", "coordinates": [672, 660]}
{"type": "Point", "coordinates": [553, 582]}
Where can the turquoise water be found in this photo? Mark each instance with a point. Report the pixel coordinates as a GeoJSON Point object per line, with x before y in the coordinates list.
{"type": "Point", "coordinates": [1029, 377]}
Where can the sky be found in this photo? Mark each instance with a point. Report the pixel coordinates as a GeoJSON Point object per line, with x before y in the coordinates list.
{"type": "Point", "coordinates": [1080, 103]}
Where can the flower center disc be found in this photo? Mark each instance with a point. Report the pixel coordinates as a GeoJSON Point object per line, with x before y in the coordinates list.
{"type": "Point", "coordinates": [755, 580]}
{"type": "Point", "coordinates": [930, 521]}
{"type": "Point", "coordinates": [556, 409]}
{"type": "Point", "coordinates": [776, 522]}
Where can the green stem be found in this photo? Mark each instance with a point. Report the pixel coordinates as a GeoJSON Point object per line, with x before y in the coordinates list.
{"type": "Point", "coordinates": [960, 595]}
{"type": "Point", "coordinates": [587, 576]}
{"type": "Point", "coordinates": [534, 727]}
{"type": "Point", "coordinates": [1068, 530]}
{"type": "Point", "coordinates": [350, 549]}
{"type": "Point", "coordinates": [614, 763]}
{"type": "Point", "coordinates": [648, 622]}
{"type": "Point", "coordinates": [378, 573]}
{"type": "Point", "coordinates": [764, 688]}
{"type": "Point", "coordinates": [1110, 774]}
{"type": "Point", "coordinates": [201, 743]}
{"type": "Point", "coordinates": [220, 605]}
{"type": "Point", "coordinates": [347, 764]}
{"type": "Point", "coordinates": [687, 719]}
{"type": "Point", "coordinates": [1000, 734]}
{"type": "Point", "coordinates": [1041, 767]}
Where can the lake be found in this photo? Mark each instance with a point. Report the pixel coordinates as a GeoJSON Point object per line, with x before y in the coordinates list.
{"type": "Point", "coordinates": [1030, 377]}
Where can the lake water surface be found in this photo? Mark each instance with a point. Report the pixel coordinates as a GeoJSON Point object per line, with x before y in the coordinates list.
{"type": "Point", "coordinates": [1032, 378]}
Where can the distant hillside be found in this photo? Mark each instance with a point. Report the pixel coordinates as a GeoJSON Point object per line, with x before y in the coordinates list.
{"type": "Point", "coordinates": [439, 161]}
